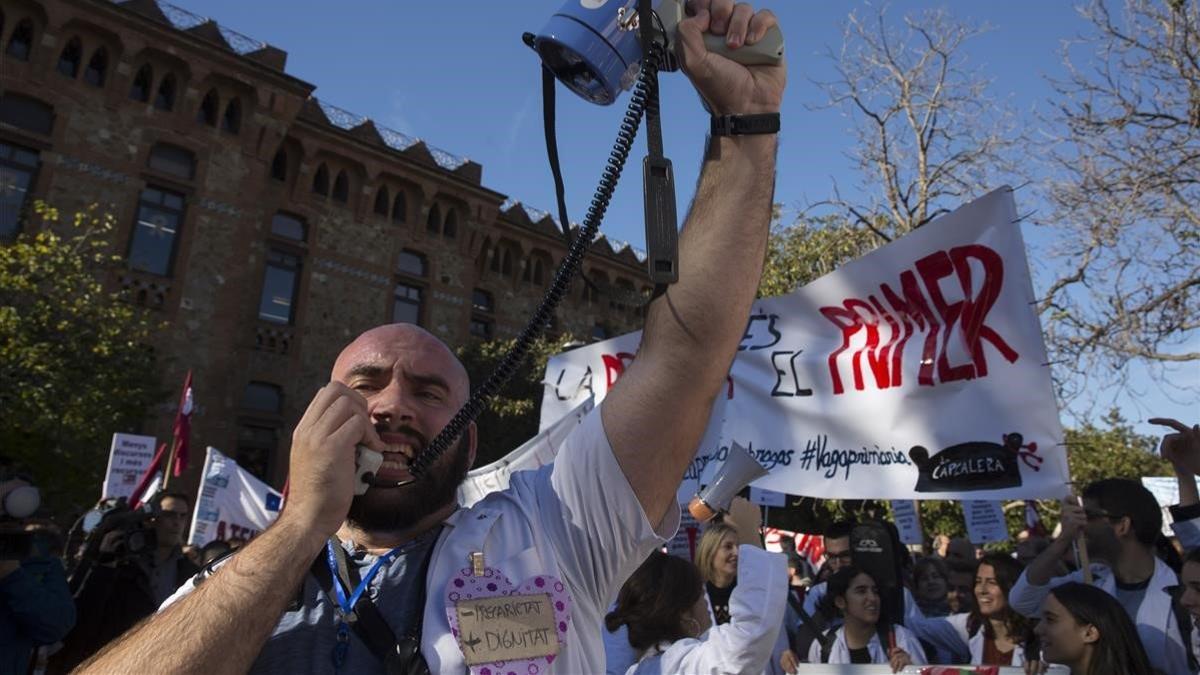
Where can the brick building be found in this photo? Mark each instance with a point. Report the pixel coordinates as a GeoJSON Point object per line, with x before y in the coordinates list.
{"type": "Point", "coordinates": [266, 226]}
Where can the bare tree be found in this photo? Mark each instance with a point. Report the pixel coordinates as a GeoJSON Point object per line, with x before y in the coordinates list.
{"type": "Point", "coordinates": [929, 137]}
{"type": "Point", "coordinates": [1125, 193]}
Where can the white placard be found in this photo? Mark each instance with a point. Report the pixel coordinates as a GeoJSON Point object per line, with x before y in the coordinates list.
{"type": "Point", "coordinates": [536, 452]}
{"type": "Point", "coordinates": [985, 521]}
{"type": "Point", "coordinates": [1166, 492]}
{"type": "Point", "coordinates": [908, 522]}
{"type": "Point", "coordinates": [128, 459]}
{"type": "Point", "coordinates": [915, 372]}
{"type": "Point", "coordinates": [233, 503]}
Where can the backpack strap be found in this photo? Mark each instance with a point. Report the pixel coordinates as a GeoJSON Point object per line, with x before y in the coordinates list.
{"type": "Point", "coordinates": [827, 639]}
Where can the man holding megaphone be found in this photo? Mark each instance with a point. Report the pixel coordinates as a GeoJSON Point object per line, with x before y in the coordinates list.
{"type": "Point", "coordinates": [459, 583]}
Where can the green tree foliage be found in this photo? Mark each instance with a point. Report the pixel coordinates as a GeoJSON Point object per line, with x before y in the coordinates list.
{"type": "Point", "coordinates": [74, 358]}
{"type": "Point", "coordinates": [511, 417]}
{"type": "Point", "coordinates": [809, 249]}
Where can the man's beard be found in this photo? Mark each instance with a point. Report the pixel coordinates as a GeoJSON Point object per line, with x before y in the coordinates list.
{"type": "Point", "coordinates": [395, 509]}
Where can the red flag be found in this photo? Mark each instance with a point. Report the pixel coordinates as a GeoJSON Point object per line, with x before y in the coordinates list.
{"type": "Point", "coordinates": [183, 427]}
{"type": "Point", "coordinates": [135, 497]}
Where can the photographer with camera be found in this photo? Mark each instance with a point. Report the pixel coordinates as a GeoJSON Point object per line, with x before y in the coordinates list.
{"type": "Point", "coordinates": [379, 582]}
{"type": "Point", "coordinates": [130, 563]}
{"type": "Point", "coordinates": [35, 604]}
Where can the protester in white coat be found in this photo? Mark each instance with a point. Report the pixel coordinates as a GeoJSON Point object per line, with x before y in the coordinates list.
{"type": "Point", "coordinates": [664, 608]}
{"type": "Point", "coordinates": [1122, 521]}
{"type": "Point", "coordinates": [862, 638]}
{"type": "Point", "coordinates": [993, 634]}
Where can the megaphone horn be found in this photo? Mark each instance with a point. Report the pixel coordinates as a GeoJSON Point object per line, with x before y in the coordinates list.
{"type": "Point", "coordinates": [592, 46]}
{"type": "Point", "coordinates": [739, 470]}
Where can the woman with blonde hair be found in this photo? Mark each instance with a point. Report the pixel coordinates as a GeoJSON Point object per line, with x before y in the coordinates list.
{"type": "Point", "coordinates": [717, 559]}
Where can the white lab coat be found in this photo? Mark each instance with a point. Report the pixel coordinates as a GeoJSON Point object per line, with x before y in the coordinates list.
{"type": "Point", "coordinates": [742, 646]}
{"type": "Point", "coordinates": [949, 633]}
{"type": "Point", "coordinates": [1155, 620]}
{"type": "Point", "coordinates": [840, 652]}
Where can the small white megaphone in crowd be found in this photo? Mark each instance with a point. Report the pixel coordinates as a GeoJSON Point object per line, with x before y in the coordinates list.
{"type": "Point", "coordinates": [739, 470]}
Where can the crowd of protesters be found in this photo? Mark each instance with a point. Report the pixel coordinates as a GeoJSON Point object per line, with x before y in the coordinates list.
{"type": "Point", "coordinates": [63, 598]}
{"type": "Point", "coordinates": [590, 526]}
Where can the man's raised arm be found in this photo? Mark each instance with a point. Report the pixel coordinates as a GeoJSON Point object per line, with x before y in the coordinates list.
{"type": "Point", "coordinates": [655, 416]}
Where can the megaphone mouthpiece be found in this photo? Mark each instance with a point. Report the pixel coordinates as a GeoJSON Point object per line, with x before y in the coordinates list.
{"type": "Point", "coordinates": [740, 469]}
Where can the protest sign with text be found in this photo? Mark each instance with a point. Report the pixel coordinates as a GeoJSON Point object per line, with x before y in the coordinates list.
{"type": "Point", "coordinates": [233, 503]}
{"type": "Point", "coordinates": [917, 371]}
{"type": "Point", "coordinates": [128, 459]}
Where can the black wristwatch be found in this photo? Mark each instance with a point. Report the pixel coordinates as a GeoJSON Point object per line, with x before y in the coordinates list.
{"type": "Point", "coordinates": [744, 125]}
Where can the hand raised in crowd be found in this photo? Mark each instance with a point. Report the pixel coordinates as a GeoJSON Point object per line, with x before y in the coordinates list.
{"type": "Point", "coordinates": [321, 474]}
{"type": "Point", "coordinates": [898, 659]}
{"type": "Point", "coordinates": [1181, 448]}
{"type": "Point", "coordinates": [728, 87]}
{"type": "Point", "coordinates": [1072, 518]}
{"type": "Point", "coordinates": [746, 518]}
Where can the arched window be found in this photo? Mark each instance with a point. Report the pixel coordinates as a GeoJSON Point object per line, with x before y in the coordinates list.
{"type": "Point", "coordinates": [21, 42]}
{"type": "Point", "coordinates": [434, 222]}
{"type": "Point", "coordinates": [207, 114]}
{"type": "Point", "coordinates": [165, 99]}
{"type": "Point", "coordinates": [321, 181]}
{"type": "Point", "coordinates": [97, 68]}
{"type": "Point", "coordinates": [140, 90]}
{"type": "Point", "coordinates": [232, 121]}
{"type": "Point", "coordinates": [382, 201]}
{"type": "Point", "coordinates": [400, 208]}
{"type": "Point", "coordinates": [279, 165]}
{"type": "Point", "coordinates": [527, 270]}
{"type": "Point", "coordinates": [450, 227]}
{"type": "Point", "coordinates": [341, 188]}
{"type": "Point", "coordinates": [495, 264]}
{"type": "Point", "coordinates": [539, 273]}
{"type": "Point", "coordinates": [70, 58]}
{"type": "Point", "coordinates": [506, 267]}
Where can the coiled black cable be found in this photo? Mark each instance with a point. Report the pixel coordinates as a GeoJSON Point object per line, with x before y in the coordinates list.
{"type": "Point", "coordinates": [645, 93]}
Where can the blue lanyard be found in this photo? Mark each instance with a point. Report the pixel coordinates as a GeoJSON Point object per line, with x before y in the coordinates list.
{"type": "Point", "coordinates": [347, 604]}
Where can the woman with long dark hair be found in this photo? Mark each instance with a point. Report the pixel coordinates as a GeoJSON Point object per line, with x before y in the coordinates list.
{"type": "Point", "coordinates": [991, 634]}
{"type": "Point", "coordinates": [665, 608]}
{"type": "Point", "coordinates": [862, 637]}
{"type": "Point", "coordinates": [1088, 631]}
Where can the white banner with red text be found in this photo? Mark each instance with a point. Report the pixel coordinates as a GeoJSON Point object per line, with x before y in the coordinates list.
{"type": "Point", "coordinates": [917, 371]}
{"type": "Point", "coordinates": [233, 503]}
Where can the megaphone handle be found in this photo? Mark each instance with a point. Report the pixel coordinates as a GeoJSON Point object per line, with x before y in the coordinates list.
{"type": "Point", "coordinates": [767, 51]}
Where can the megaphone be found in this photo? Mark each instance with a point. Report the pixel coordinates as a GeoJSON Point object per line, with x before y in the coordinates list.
{"type": "Point", "coordinates": [592, 46]}
{"type": "Point", "coordinates": [739, 470]}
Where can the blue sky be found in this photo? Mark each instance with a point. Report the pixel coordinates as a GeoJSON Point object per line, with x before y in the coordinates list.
{"type": "Point", "coordinates": [458, 76]}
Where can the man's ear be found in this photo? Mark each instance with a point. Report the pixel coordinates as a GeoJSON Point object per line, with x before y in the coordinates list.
{"type": "Point", "coordinates": [1123, 527]}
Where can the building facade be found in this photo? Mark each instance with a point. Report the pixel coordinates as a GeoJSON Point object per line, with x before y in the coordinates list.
{"type": "Point", "coordinates": [266, 227]}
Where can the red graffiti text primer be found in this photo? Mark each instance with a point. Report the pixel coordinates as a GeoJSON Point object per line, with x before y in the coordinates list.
{"type": "Point", "coordinates": [615, 364]}
{"type": "Point", "coordinates": [907, 311]}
